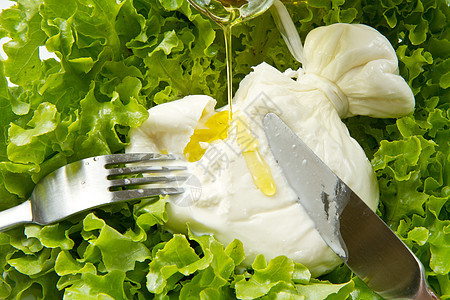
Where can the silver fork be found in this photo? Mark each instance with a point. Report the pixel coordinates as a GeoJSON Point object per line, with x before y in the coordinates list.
{"type": "Point", "coordinates": [93, 182]}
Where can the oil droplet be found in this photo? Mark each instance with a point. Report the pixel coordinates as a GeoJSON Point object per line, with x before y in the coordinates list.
{"type": "Point", "coordinates": [259, 169]}
{"type": "Point", "coordinates": [127, 181]}
{"type": "Point", "coordinates": [140, 191]}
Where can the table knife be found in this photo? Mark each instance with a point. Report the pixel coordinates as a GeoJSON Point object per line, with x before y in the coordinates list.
{"type": "Point", "coordinates": [350, 228]}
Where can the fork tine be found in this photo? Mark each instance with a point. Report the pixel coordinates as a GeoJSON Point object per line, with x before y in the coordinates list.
{"type": "Point", "coordinates": [143, 169]}
{"type": "Point", "coordinates": [144, 180]}
{"type": "Point", "coordinates": [124, 158]}
{"type": "Point", "coordinates": [125, 195]}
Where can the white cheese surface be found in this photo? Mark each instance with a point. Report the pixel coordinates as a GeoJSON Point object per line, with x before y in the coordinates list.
{"type": "Point", "coordinates": [223, 199]}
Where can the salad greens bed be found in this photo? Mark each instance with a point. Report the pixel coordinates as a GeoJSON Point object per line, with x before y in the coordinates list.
{"type": "Point", "coordinates": [117, 59]}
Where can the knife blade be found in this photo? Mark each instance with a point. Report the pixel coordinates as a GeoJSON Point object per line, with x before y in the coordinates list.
{"type": "Point", "coordinates": [350, 228]}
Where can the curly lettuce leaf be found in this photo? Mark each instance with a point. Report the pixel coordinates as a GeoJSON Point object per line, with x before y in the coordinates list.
{"type": "Point", "coordinates": [113, 61]}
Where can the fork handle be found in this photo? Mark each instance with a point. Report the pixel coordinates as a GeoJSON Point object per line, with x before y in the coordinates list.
{"type": "Point", "coordinates": [16, 215]}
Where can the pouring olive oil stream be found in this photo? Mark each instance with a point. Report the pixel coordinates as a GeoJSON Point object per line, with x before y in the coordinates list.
{"type": "Point", "coordinates": [227, 13]}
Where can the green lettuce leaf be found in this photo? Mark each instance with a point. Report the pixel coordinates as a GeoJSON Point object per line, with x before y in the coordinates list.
{"type": "Point", "coordinates": [265, 277]}
{"type": "Point", "coordinates": [175, 259]}
{"type": "Point", "coordinates": [114, 60]}
{"type": "Point", "coordinates": [319, 291]}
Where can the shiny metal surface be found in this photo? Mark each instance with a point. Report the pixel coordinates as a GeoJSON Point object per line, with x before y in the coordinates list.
{"type": "Point", "coordinates": [226, 12]}
{"type": "Point", "coordinates": [93, 182]}
{"type": "Point", "coordinates": [353, 231]}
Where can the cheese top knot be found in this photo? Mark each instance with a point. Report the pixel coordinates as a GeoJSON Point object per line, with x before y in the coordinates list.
{"type": "Point", "coordinates": [357, 69]}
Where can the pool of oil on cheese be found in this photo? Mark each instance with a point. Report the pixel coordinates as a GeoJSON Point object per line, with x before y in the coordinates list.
{"type": "Point", "coordinates": [216, 127]}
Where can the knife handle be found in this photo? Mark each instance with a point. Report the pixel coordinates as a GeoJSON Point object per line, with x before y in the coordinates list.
{"type": "Point", "coordinates": [424, 292]}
